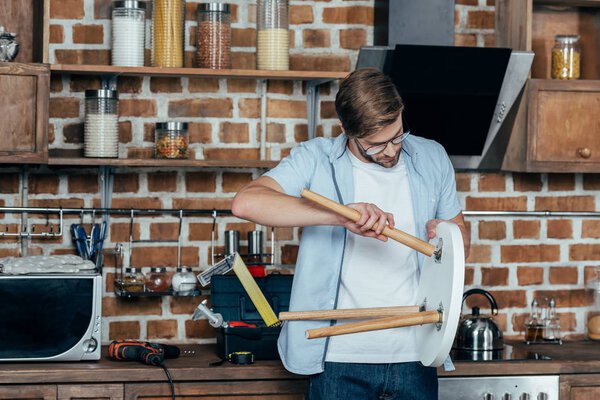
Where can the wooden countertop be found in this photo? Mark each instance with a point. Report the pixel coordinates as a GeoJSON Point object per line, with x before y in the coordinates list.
{"type": "Point", "coordinates": [569, 358]}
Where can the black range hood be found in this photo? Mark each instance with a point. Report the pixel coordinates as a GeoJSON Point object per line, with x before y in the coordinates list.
{"type": "Point", "coordinates": [464, 98]}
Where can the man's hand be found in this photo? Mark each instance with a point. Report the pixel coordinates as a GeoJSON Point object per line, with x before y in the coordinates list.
{"type": "Point", "coordinates": [371, 216]}
{"type": "Point", "coordinates": [431, 225]}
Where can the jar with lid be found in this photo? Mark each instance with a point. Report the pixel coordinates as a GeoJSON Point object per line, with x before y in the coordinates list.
{"type": "Point", "coordinates": [133, 280]}
{"type": "Point", "coordinates": [168, 29]}
{"type": "Point", "coordinates": [272, 45]}
{"type": "Point", "coordinates": [213, 36]}
{"type": "Point", "coordinates": [128, 30]}
{"type": "Point", "coordinates": [566, 57]}
{"type": "Point", "coordinates": [171, 140]}
{"type": "Point", "coordinates": [184, 282]}
{"type": "Point", "coordinates": [157, 280]}
{"type": "Point", "coordinates": [101, 130]}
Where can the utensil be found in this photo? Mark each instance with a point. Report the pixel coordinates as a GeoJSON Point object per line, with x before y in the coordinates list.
{"type": "Point", "coordinates": [477, 332]}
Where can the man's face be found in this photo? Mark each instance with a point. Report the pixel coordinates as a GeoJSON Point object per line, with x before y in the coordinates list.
{"type": "Point", "coordinates": [382, 140]}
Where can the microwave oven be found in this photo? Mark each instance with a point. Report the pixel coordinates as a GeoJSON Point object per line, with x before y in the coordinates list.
{"type": "Point", "coordinates": [50, 317]}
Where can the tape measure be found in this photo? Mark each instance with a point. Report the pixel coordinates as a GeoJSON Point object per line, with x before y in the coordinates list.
{"type": "Point", "coordinates": [241, 357]}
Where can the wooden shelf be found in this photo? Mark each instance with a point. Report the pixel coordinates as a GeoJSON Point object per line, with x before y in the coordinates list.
{"type": "Point", "coordinates": [151, 162]}
{"type": "Point", "coordinates": [320, 76]}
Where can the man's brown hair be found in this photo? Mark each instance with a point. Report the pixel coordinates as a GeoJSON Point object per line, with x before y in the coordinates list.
{"type": "Point", "coordinates": [366, 102]}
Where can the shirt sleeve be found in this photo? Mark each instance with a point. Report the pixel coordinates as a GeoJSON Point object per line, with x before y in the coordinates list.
{"type": "Point", "coordinates": [294, 172]}
{"type": "Point", "coordinates": [448, 205]}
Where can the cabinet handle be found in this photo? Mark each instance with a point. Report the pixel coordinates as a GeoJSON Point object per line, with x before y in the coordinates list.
{"type": "Point", "coordinates": [584, 152]}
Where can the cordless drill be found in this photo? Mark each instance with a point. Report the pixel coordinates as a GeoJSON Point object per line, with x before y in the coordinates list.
{"type": "Point", "coordinates": [146, 352]}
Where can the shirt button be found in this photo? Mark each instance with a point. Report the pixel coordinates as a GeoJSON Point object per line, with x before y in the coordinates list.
{"type": "Point", "coordinates": [332, 302]}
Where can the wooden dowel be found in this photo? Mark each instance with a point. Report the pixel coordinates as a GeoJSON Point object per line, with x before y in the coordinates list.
{"type": "Point", "coordinates": [409, 240]}
{"type": "Point", "coordinates": [420, 318]}
{"type": "Point", "coordinates": [375, 312]}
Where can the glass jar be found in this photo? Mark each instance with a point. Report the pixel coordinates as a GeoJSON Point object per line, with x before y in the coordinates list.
{"type": "Point", "coordinates": [168, 29]}
{"type": "Point", "coordinates": [566, 57]}
{"type": "Point", "coordinates": [101, 130]}
{"type": "Point", "coordinates": [184, 282]}
{"type": "Point", "coordinates": [213, 36]}
{"type": "Point", "coordinates": [171, 140]}
{"type": "Point", "coordinates": [128, 31]}
{"type": "Point", "coordinates": [133, 280]}
{"type": "Point", "coordinates": [593, 315]}
{"type": "Point", "coordinates": [272, 44]}
{"type": "Point", "coordinates": [157, 280]}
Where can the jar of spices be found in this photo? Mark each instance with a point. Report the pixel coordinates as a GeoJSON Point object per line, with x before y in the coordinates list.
{"type": "Point", "coordinates": [566, 57]}
{"type": "Point", "coordinates": [272, 46]}
{"type": "Point", "coordinates": [101, 130]}
{"type": "Point", "coordinates": [168, 29]}
{"type": "Point", "coordinates": [171, 140]}
{"type": "Point", "coordinates": [133, 280]}
{"type": "Point", "coordinates": [157, 280]}
{"type": "Point", "coordinates": [128, 30]}
{"type": "Point", "coordinates": [184, 282]}
{"type": "Point", "coordinates": [213, 36]}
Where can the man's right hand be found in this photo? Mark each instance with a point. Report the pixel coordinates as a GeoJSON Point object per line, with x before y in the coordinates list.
{"type": "Point", "coordinates": [371, 216]}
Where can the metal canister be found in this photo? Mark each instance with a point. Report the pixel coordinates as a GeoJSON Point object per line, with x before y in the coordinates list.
{"type": "Point", "coordinates": [232, 242]}
{"type": "Point", "coordinates": [255, 242]}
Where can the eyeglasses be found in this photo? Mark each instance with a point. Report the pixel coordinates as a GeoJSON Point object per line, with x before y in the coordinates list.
{"type": "Point", "coordinates": [378, 148]}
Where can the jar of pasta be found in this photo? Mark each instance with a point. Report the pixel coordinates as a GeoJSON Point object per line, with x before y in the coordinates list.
{"type": "Point", "coordinates": [272, 45]}
{"type": "Point", "coordinates": [171, 140]}
{"type": "Point", "coordinates": [168, 29]}
{"type": "Point", "coordinates": [566, 57]}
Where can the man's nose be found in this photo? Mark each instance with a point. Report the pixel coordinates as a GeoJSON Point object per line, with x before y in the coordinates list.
{"type": "Point", "coordinates": [390, 150]}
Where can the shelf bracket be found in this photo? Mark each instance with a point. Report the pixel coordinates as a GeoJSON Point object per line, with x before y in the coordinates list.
{"type": "Point", "coordinates": [312, 107]}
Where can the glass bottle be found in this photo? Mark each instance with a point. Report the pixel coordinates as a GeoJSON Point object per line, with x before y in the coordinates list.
{"type": "Point", "coordinates": [133, 280]}
{"type": "Point", "coordinates": [272, 44]}
{"type": "Point", "coordinates": [552, 325]}
{"type": "Point", "coordinates": [184, 282]}
{"type": "Point", "coordinates": [566, 57]}
{"type": "Point", "coordinates": [128, 33]}
{"type": "Point", "coordinates": [157, 280]}
{"type": "Point", "coordinates": [168, 29]}
{"type": "Point", "coordinates": [171, 140]}
{"type": "Point", "coordinates": [101, 130]}
{"type": "Point", "coordinates": [534, 326]}
{"type": "Point", "coordinates": [213, 36]}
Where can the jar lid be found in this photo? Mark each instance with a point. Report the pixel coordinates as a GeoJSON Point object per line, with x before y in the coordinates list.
{"type": "Point", "coordinates": [158, 269]}
{"type": "Point", "coordinates": [129, 4]}
{"type": "Point", "coordinates": [102, 93]}
{"type": "Point", "coordinates": [218, 7]}
{"type": "Point", "coordinates": [184, 269]}
{"type": "Point", "coordinates": [172, 126]}
{"type": "Point", "coordinates": [566, 38]}
{"type": "Point", "coordinates": [132, 270]}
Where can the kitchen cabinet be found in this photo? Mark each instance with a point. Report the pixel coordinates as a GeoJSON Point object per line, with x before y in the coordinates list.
{"type": "Point", "coordinates": [557, 120]}
{"type": "Point", "coordinates": [280, 390]}
{"type": "Point", "coordinates": [580, 387]}
{"type": "Point", "coordinates": [29, 392]}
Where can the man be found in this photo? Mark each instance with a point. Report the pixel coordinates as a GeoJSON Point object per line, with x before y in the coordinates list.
{"type": "Point", "coordinates": [393, 179]}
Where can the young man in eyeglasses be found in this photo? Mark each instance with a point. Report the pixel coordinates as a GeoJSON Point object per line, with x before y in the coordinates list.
{"type": "Point", "coordinates": [393, 178]}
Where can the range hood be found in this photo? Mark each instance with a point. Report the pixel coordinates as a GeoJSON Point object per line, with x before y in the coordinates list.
{"type": "Point", "coordinates": [465, 98]}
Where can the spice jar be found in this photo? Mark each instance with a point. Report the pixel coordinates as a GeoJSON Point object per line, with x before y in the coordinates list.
{"type": "Point", "coordinates": [184, 282]}
{"type": "Point", "coordinates": [157, 280]}
{"type": "Point", "coordinates": [272, 44]}
{"type": "Point", "coordinates": [101, 131]}
{"type": "Point", "coordinates": [168, 28]}
{"type": "Point", "coordinates": [128, 30]}
{"type": "Point", "coordinates": [133, 280]}
{"type": "Point", "coordinates": [213, 36]}
{"type": "Point", "coordinates": [171, 140]}
{"type": "Point", "coordinates": [566, 57]}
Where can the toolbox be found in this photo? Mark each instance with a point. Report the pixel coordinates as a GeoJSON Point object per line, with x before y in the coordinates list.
{"type": "Point", "coordinates": [231, 301]}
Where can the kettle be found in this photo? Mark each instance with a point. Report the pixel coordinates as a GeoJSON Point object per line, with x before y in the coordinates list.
{"type": "Point", "coordinates": [9, 48]}
{"type": "Point", "coordinates": [478, 332]}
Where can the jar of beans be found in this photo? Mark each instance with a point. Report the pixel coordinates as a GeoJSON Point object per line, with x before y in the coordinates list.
{"type": "Point", "coordinates": [213, 36]}
{"type": "Point", "coordinates": [171, 140]}
{"type": "Point", "coordinates": [566, 57]}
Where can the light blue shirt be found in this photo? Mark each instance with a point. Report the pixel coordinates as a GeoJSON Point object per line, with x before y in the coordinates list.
{"type": "Point", "coordinates": [323, 166]}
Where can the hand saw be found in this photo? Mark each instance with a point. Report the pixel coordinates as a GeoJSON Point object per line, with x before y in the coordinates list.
{"type": "Point", "coordinates": [234, 262]}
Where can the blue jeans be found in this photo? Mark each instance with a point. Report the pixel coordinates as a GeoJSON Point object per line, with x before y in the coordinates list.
{"type": "Point", "coordinates": [345, 381]}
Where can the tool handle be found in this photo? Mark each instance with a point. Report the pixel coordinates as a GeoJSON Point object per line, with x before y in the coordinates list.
{"type": "Point", "coordinates": [376, 312]}
{"type": "Point", "coordinates": [400, 236]}
{"type": "Point", "coordinates": [419, 318]}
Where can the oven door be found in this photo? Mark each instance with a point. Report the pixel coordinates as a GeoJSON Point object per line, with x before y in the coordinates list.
{"type": "Point", "coordinates": [530, 387]}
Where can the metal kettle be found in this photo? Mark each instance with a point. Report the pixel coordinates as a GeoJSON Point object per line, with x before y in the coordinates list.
{"type": "Point", "coordinates": [9, 48]}
{"type": "Point", "coordinates": [478, 332]}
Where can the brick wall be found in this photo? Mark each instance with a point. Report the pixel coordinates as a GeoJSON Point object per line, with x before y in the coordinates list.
{"type": "Point", "coordinates": [516, 258]}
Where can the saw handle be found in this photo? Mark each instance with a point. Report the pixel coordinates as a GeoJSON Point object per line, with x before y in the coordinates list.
{"type": "Point", "coordinates": [354, 215]}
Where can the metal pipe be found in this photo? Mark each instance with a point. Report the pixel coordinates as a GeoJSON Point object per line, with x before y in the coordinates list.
{"type": "Point", "coordinates": [123, 211]}
{"type": "Point", "coordinates": [568, 214]}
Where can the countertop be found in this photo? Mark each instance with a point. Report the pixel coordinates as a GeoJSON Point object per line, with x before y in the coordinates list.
{"type": "Point", "coordinates": [568, 358]}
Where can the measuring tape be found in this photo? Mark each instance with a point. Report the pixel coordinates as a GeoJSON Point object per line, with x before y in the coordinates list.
{"type": "Point", "coordinates": [240, 357]}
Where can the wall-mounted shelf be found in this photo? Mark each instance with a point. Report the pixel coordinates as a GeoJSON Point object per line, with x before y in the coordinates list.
{"type": "Point", "coordinates": [151, 162]}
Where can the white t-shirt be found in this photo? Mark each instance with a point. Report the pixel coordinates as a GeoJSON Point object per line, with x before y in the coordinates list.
{"type": "Point", "coordinates": [376, 273]}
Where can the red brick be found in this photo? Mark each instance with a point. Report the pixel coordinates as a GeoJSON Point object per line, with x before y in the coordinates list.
{"type": "Point", "coordinates": [83, 183]}
{"type": "Point", "coordinates": [64, 107]}
{"type": "Point", "coordinates": [489, 40]}
{"type": "Point", "coordinates": [289, 254]}
{"type": "Point", "coordinates": [82, 56]}
{"type": "Point", "coordinates": [203, 203]}
{"type": "Point", "coordinates": [81, 83]}
{"type": "Point", "coordinates": [244, 60]}
{"type": "Point", "coordinates": [249, 108]}
{"type": "Point", "coordinates": [526, 229]}
{"type": "Point", "coordinates": [584, 252]}
{"type": "Point", "coordinates": [276, 133]}
{"type": "Point", "coordinates": [566, 203]}
{"type": "Point", "coordinates": [466, 2]}
{"type": "Point", "coordinates": [590, 228]}
{"type": "Point", "coordinates": [115, 306]}
{"type": "Point", "coordinates": [286, 108]}
{"type": "Point", "coordinates": [560, 229]}
{"type": "Point", "coordinates": [124, 330]}
{"type": "Point", "coordinates": [495, 276]}
{"type": "Point", "coordinates": [241, 86]}
{"type": "Point", "coordinates": [492, 182]}
{"type": "Point", "coordinates": [199, 329]}
{"type": "Point", "coordinates": [469, 276]}
{"type": "Point", "coordinates": [201, 108]}
{"type": "Point", "coordinates": [280, 87]}
{"type": "Point", "coordinates": [319, 62]}
{"type": "Point", "coordinates": [496, 203]}
{"type": "Point", "coordinates": [232, 132]}
{"type": "Point", "coordinates": [226, 154]}
{"type": "Point", "coordinates": [353, 38]}
{"type": "Point", "coordinates": [233, 182]}
{"type": "Point", "coordinates": [591, 181]}
{"type": "Point", "coordinates": [203, 85]}
{"type": "Point", "coordinates": [563, 275]}
{"type": "Point", "coordinates": [88, 34]}
{"type": "Point", "coordinates": [316, 38]}
{"type": "Point", "coordinates": [9, 183]}
{"type": "Point", "coordinates": [527, 182]}
{"type": "Point", "coordinates": [245, 37]}
{"type": "Point", "coordinates": [479, 19]}
{"type": "Point", "coordinates": [301, 15]}
{"type": "Point", "coordinates": [201, 231]}
{"type": "Point", "coordinates": [492, 230]}
{"type": "Point", "coordinates": [41, 183]}
{"type": "Point", "coordinates": [66, 9]}
{"type": "Point", "coordinates": [530, 276]}
{"type": "Point", "coordinates": [591, 273]}
{"type": "Point", "coordinates": [480, 254]}
{"type": "Point", "coordinates": [567, 298]}
{"type": "Point", "coordinates": [504, 299]}
{"type": "Point", "coordinates": [126, 183]}
{"type": "Point", "coordinates": [161, 329]}
{"type": "Point", "coordinates": [186, 304]}
{"type": "Point", "coordinates": [561, 182]}
{"type": "Point", "coordinates": [200, 182]}
{"type": "Point", "coordinates": [57, 34]}
{"type": "Point", "coordinates": [463, 182]}
{"type": "Point", "coordinates": [165, 85]}
{"type": "Point", "coordinates": [136, 202]}
{"type": "Point", "coordinates": [348, 15]}
{"type": "Point", "coordinates": [200, 132]}
{"type": "Point", "coordinates": [130, 84]}
{"type": "Point", "coordinates": [163, 256]}
{"type": "Point", "coordinates": [531, 253]}
{"type": "Point", "coordinates": [328, 110]}
{"type": "Point", "coordinates": [300, 132]}
{"type": "Point", "coordinates": [137, 108]}
{"type": "Point", "coordinates": [162, 181]}
{"type": "Point", "coordinates": [465, 39]}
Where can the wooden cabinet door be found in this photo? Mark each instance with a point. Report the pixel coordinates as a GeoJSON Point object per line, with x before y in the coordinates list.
{"type": "Point", "coordinates": [245, 390]}
{"type": "Point", "coordinates": [90, 392]}
{"type": "Point", "coordinates": [564, 126]}
{"type": "Point", "coordinates": [580, 387]}
{"type": "Point", "coordinates": [24, 102]}
{"type": "Point", "coordinates": [29, 392]}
